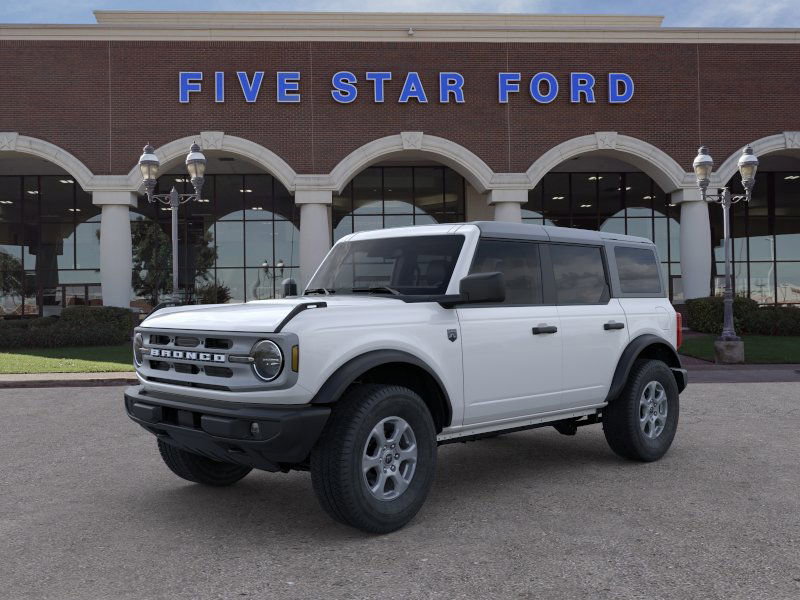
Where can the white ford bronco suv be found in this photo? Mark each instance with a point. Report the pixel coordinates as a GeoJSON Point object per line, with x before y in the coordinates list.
{"type": "Point", "coordinates": [406, 339]}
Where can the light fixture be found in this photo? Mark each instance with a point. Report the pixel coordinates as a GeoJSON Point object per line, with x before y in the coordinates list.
{"type": "Point", "coordinates": [6, 202]}
{"type": "Point", "coordinates": [257, 208]}
{"type": "Point", "coordinates": [647, 197]}
{"type": "Point", "coordinates": [180, 180]}
{"type": "Point", "coordinates": [595, 178]}
{"type": "Point", "coordinates": [196, 164]}
{"type": "Point", "coordinates": [791, 177]}
{"type": "Point", "coordinates": [66, 181]}
{"type": "Point", "coordinates": [703, 164]}
{"type": "Point", "coordinates": [558, 197]}
{"type": "Point", "coordinates": [33, 192]}
{"type": "Point", "coordinates": [246, 191]}
{"type": "Point", "coordinates": [628, 188]}
{"type": "Point", "coordinates": [748, 165]}
{"type": "Point", "coordinates": [586, 206]}
{"type": "Point", "coordinates": [148, 165]}
{"type": "Point", "coordinates": [74, 209]}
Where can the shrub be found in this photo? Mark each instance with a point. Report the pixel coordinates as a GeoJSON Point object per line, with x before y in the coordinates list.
{"type": "Point", "coordinates": [214, 293]}
{"type": "Point", "coordinates": [77, 326]}
{"type": "Point", "coordinates": [705, 315]}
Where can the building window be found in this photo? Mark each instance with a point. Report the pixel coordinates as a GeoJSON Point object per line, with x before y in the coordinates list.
{"type": "Point", "coordinates": [385, 197]}
{"type": "Point", "coordinates": [630, 203]}
{"type": "Point", "coordinates": [49, 245]}
{"type": "Point", "coordinates": [766, 240]}
{"type": "Point", "coordinates": [239, 244]}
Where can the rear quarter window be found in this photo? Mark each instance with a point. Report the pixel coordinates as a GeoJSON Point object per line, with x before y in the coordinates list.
{"type": "Point", "coordinates": [638, 271]}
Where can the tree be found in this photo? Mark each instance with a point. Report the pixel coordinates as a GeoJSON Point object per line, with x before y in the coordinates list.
{"type": "Point", "coordinates": [152, 260]}
{"type": "Point", "coordinates": [12, 279]}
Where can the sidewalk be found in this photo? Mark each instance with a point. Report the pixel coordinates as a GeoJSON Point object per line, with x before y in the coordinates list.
{"type": "Point", "coordinates": [700, 371]}
{"type": "Point", "coordinates": [46, 380]}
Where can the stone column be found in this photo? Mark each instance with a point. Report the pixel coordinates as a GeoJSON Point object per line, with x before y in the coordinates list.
{"type": "Point", "coordinates": [695, 243]}
{"type": "Point", "coordinates": [116, 254]}
{"type": "Point", "coordinates": [315, 231]}
{"type": "Point", "coordinates": [508, 204]}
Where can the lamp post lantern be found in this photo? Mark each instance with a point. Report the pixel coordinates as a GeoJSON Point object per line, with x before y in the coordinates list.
{"type": "Point", "coordinates": [703, 165]}
{"type": "Point", "coordinates": [196, 166]}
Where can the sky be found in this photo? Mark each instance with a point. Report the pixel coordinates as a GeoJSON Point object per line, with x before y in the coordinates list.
{"type": "Point", "coordinates": [678, 13]}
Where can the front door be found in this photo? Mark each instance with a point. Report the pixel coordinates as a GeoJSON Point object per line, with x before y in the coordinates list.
{"type": "Point", "coordinates": [511, 351]}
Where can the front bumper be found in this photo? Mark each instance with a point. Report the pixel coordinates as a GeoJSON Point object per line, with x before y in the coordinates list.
{"type": "Point", "coordinates": [224, 431]}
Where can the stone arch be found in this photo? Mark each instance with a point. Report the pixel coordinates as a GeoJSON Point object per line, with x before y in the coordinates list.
{"type": "Point", "coordinates": [444, 151]}
{"type": "Point", "coordinates": [11, 141]}
{"type": "Point", "coordinates": [656, 163]}
{"type": "Point", "coordinates": [218, 140]}
{"type": "Point", "coordinates": [781, 142]}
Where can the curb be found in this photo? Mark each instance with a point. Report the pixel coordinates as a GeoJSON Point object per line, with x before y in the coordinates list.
{"type": "Point", "coordinates": [51, 382]}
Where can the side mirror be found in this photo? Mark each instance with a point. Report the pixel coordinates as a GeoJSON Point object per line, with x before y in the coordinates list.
{"type": "Point", "coordinates": [289, 287]}
{"type": "Point", "coordinates": [483, 287]}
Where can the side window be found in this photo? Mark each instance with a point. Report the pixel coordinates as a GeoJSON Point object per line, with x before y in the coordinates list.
{"type": "Point", "coordinates": [638, 271]}
{"type": "Point", "coordinates": [519, 264]}
{"type": "Point", "coordinates": [579, 274]}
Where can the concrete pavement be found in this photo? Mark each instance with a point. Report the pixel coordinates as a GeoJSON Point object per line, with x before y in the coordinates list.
{"type": "Point", "coordinates": [88, 510]}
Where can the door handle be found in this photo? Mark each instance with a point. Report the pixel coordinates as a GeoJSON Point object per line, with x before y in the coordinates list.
{"type": "Point", "coordinates": [613, 325]}
{"type": "Point", "coordinates": [544, 329]}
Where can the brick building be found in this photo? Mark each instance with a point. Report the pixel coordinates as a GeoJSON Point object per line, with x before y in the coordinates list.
{"type": "Point", "coordinates": [319, 124]}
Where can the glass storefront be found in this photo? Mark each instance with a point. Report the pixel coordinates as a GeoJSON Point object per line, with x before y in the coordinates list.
{"type": "Point", "coordinates": [385, 197]}
{"type": "Point", "coordinates": [629, 203]}
{"type": "Point", "coordinates": [238, 244]}
{"type": "Point", "coordinates": [766, 240]}
{"type": "Point", "coordinates": [49, 245]}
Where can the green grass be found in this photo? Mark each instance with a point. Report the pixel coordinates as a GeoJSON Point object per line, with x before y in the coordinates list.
{"type": "Point", "coordinates": [91, 359]}
{"type": "Point", "coordinates": [758, 349]}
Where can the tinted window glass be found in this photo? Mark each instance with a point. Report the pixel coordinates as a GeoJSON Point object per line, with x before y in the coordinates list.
{"type": "Point", "coordinates": [419, 265]}
{"type": "Point", "coordinates": [638, 271]}
{"type": "Point", "coordinates": [579, 274]}
{"type": "Point", "coordinates": [519, 264]}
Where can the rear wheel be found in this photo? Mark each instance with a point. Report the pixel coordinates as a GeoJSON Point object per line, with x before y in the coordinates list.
{"type": "Point", "coordinates": [641, 423]}
{"type": "Point", "coordinates": [375, 461]}
{"type": "Point", "coordinates": [199, 469]}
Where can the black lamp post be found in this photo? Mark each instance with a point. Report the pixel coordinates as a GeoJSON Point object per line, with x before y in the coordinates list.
{"type": "Point", "coordinates": [703, 165]}
{"type": "Point", "coordinates": [196, 165]}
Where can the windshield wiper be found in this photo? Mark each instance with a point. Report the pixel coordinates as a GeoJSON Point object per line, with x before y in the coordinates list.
{"type": "Point", "coordinates": [321, 290]}
{"type": "Point", "coordinates": [378, 289]}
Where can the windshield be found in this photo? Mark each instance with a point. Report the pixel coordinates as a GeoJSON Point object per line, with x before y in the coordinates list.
{"type": "Point", "coordinates": [418, 265]}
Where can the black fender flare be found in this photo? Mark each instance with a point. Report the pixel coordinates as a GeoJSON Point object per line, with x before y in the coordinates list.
{"type": "Point", "coordinates": [634, 348]}
{"type": "Point", "coordinates": [340, 380]}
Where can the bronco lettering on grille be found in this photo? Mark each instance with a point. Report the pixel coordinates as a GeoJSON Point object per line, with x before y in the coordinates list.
{"type": "Point", "coordinates": [182, 354]}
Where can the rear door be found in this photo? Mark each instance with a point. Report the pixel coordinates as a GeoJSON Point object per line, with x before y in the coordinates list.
{"type": "Point", "coordinates": [593, 325]}
{"type": "Point", "coordinates": [511, 351]}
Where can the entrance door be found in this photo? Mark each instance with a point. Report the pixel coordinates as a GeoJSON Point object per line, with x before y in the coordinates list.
{"type": "Point", "coordinates": [511, 351]}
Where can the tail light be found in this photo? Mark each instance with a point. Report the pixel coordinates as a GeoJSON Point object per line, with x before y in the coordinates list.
{"type": "Point", "coordinates": [678, 329]}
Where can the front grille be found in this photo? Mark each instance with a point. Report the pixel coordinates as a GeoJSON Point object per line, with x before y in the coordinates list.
{"type": "Point", "coordinates": [218, 344]}
{"type": "Point", "coordinates": [193, 360]}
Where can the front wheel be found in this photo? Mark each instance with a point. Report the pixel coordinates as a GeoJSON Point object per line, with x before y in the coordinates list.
{"type": "Point", "coordinates": [641, 423]}
{"type": "Point", "coordinates": [375, 461]}
{"type": "Point", "coordinates": [199, 469]}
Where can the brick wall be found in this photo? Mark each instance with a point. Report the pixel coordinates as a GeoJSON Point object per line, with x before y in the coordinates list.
{"type": "Point", "coordinates": [102, 101]}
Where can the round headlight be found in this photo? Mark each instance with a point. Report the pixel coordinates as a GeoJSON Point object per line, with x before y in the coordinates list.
{"type": "Point", "coordinates": [138, 343]}
{"type": "Point", "coordinates": [268, 360]}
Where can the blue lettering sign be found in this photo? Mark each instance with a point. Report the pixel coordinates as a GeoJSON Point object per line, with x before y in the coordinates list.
{"type": "Point", "coordinates": [344, 90]}
{"type": "Point", "coordinates": [506, 84]}
{"type": "Point", "coordinates": [615, 80]}
{"type": "Point", "coordinates": [288, 86]}
{"type": "Point", "coordinates": [536, 88]}
{"type": "Point", "coordinates": [188, 81]}
{"type": "Point", "coordinates": [378, 78]}
{"type": "Point", "coordinates": [219, 86]}
{"type": "Point", "coordinates": [451, 83]}
{"type": "Point", "coordinates": [412, 88]}
{"type": "Point", "coordinates": [250, 89]}
{"type": "Point", "coordinates": [581, 83]}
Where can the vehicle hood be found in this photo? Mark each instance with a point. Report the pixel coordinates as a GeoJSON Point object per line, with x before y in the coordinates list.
{"type": "Point", "coordinates": [261, 316]}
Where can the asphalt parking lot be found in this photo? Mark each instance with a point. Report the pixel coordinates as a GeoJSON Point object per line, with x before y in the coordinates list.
{"type": "Point", "coordinates": [87, 510]}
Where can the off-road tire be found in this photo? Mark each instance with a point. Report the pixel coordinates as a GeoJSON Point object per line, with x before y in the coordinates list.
{"type": "Point", "coordinates": [199, 469]}
{"type": "Point", "coordinates": [621, 418]}
{"type": "Point", "coordinates": [336, 460]}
